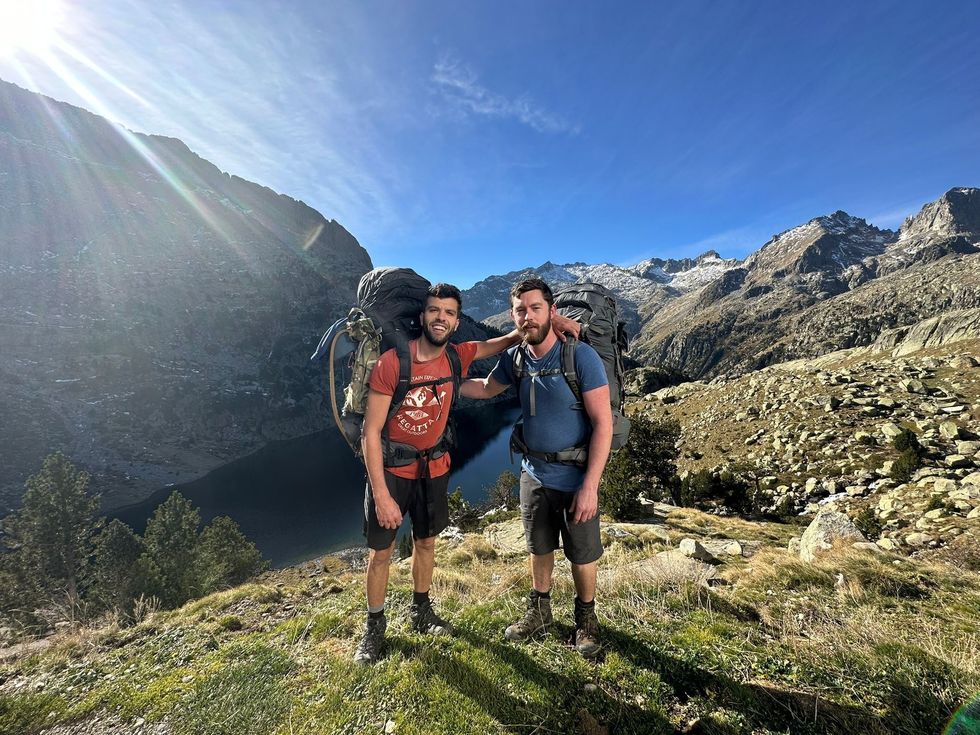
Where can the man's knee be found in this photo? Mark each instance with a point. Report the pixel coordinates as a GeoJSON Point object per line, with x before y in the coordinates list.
{"type": "Point", "coordinates": [380, 557]}
{"type": "Point", "coordinates": [425, 544]}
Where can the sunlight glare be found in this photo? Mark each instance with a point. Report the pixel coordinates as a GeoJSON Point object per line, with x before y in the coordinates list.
{"type": "Point", "coordinates": [28, 25]}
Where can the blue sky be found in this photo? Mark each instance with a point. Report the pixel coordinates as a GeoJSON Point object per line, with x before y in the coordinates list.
{"type": "Point", "coordinates": [465, 139]}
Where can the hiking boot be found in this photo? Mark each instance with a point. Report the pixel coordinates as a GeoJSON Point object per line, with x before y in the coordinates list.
{"type": "Point", "coordinates": [586, 630]}
{"type": "Point", "coordinates": [369, 649]}
{"type": "Point", "coordinates": [425, 620]}
{"type": "Point", "coordinates": [535, 622]}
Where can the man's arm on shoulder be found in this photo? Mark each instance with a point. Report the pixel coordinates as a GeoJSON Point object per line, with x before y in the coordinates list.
{"type": "Point", "coordinates": [375, 414]}
{"type": "Point", "coordinates": [562, 326]}
{"type": "Point", "coordinates": [496, 345]}
{"type": "Point", "coordinates": [596, 402]}
{"type": "Point", "coordinates": [482, 388]}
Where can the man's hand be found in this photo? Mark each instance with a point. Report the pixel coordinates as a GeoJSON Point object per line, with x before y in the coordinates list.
{"type": "Point", "coordinates": [562, 326]}
{"type": "Point", "coordinates": [585, 504]}
{"type": "Point", "coordinates": [389, 516]}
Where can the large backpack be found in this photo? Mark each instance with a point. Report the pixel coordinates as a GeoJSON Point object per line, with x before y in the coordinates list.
{"type": "Point", "coordinates": [593, 307]}
{"type": "Point", "coordinates": [389, 302]}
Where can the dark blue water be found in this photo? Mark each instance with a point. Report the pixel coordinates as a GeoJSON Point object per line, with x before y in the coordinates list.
{"type": "Point", "coordinates": [302, 498]}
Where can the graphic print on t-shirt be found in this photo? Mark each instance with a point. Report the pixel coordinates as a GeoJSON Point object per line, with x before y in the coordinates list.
{"type": "Point", "coordinates": [421, 407]}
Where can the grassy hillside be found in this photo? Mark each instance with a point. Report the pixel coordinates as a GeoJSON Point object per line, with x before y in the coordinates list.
{"type": "Point", "coordinates": [857, 642]}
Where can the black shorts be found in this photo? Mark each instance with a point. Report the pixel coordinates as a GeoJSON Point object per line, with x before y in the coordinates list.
{"type": "Point", "coordinates": [545, 515]}
{"type": "Point", "coordinates": [425, 501]}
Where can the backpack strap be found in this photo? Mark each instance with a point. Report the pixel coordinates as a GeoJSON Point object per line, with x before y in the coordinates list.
{"type": "Point", "coordinates": [404, 352]}
{"type": "Point", "coordinates": [567, 371]}
{"type": "Point", "coordinates": [456, 368]}
{"type": "Point", "coordinates": [568, 368]}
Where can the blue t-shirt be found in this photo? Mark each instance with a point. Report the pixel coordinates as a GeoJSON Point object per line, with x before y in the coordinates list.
{"type": "Point", "coordinates": [559, 422]}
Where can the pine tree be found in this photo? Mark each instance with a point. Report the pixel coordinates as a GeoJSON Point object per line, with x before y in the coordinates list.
{"type": "Point", "coordinates": [226, 557]}
{"type": "Point", "coordinates": [116, 578]}
{"type": "Point", "coordinates": [51, 535]}
{"type": "Point", "coordinates": [169, 559]}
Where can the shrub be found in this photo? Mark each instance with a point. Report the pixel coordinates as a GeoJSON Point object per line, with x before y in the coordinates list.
{"type": "Point", "coordinates": [461, 514]}
{"type": "Point", "coordinates": [727, 488]}
{"type": "Point", "coordinates": [869, 524]}
{"type": "Point", "coordinates": [647, 465]}
{"type": "Point", "coordinates": [504, 492]}
{"type": "Point", "coordinates": [906, 465]}
{"type": "Point", "coordinates": [907, 440]}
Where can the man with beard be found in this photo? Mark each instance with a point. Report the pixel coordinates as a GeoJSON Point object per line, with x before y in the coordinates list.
{"type": "Point", "coordinates": [415, 478]}
{"type": "Point", "coordinates": [565, 445]}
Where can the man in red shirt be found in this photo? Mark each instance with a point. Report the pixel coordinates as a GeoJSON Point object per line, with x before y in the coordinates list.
{"type": "Point", "coordinates": [418, 487]}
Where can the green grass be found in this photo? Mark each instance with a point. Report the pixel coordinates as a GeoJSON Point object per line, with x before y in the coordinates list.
{"type": "Point", "coordinates": [785, 647]}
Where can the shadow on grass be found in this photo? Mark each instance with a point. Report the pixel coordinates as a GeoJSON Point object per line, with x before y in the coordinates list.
{"type": "Point", "coordinates": [558, 714]}
{"type": "Point", "coordinates": [780, 709]}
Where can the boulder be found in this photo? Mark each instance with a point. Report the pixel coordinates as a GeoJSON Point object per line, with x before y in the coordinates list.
{"type": "Point", "coordinates": [918, 539]}
{"type": "Point", "coordinates": [506, 537]}
{"type": "Point", "coordinates": [968, 448]}
{"type": "Point", "coordinates": [692, 549]}
{"type": "Point", "coordinates": [723, 547]}
{"type": "Point", "coordinates": [828, 527]}
{"type": "Point", "coordinates": [949, 430]}
{"type": "Point", "coordinates": [887, 544]}
{"type": "Point", "coordinates": [890, 430]}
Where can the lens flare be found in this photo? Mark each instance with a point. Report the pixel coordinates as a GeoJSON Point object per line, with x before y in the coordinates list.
{"type": "Point", "coordinates": [29, 26]}
{"type": "Point", "coordinates": [966, 721]}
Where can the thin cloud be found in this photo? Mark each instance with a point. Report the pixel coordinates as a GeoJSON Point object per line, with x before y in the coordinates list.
{"type": "Point", "coordinates": [460, 86]}
{"type": "Point", "coordinates": [270, 107]}
{"type": "Point", "coordinates": [892, 219]}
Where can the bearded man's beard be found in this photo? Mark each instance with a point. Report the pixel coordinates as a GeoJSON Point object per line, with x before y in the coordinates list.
{"type": "Point", "coordinates": [535, 335]}
{"type": "Point", "coordinates": [435, 340]}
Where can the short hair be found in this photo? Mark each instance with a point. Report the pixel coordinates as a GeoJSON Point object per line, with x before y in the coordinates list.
{"type": "Point", "coordinates": [446, 291]}
{"type": "Point", "coordinates": [532, 284]}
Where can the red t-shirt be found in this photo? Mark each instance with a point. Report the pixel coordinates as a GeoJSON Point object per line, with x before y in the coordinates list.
{"type": "Point", "coordinates": [422, 417]}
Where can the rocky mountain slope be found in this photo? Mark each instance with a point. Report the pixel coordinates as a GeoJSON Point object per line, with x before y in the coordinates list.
{"type": "Point", "coordinates": [833, 283]}
{"type": "Point", "coordinates": [156, 314]}
{"type": "Point", "coordinates": [819, 432]}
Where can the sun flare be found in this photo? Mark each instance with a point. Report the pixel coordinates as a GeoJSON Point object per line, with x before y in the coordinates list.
{"type": "Point", "coordinates": [29, 26]}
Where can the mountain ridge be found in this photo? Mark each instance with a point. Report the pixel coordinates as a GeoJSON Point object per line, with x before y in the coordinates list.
{"type": "Point", "coordinates": [158, 313]}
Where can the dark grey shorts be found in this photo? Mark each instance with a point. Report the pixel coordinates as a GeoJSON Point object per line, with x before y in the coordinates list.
{"type": "Point", "coordinates": [545, 515]}
{"type": "Point", "coordinates": [425, 501]}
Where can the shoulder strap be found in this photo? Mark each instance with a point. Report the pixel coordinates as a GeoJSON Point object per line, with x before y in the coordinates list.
{"type": "Point", "coordinates": [404, 352]}
{"type": "Point", "coordinates": [568, 367]}
{"type": "Point", "coordinates": [519, 365]}
{"type": "Point", "coordinates": [456, 367]}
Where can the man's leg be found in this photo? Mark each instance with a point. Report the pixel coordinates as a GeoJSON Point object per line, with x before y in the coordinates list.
{"type": "Point", "coordinates": [584, 576]}
{"type": "Point", "coordinates": [583, 547]}
{"type": "Point", "coordinates": [430, 515]}
{"type": "Point", "coordinates": [542, 567]}
{"type": "Point", "coordinates": [381, 546]}
{"type": "Point", "coordinates": [541, 534]}
{"type": "Point", "coordinates": [379, 565]}
{"type": "Point", "coordinates": [423, 561]}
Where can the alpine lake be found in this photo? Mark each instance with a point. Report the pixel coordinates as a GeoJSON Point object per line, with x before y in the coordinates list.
{"type": "Point", "coordinates": [303, 498]}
